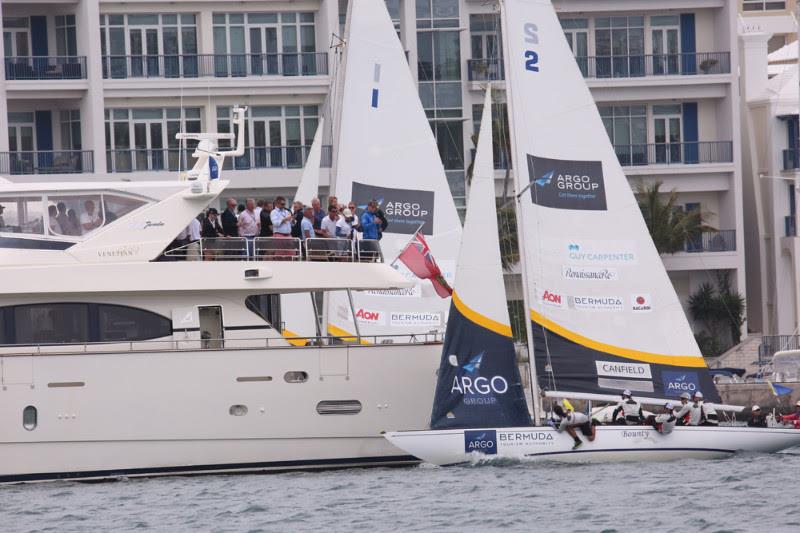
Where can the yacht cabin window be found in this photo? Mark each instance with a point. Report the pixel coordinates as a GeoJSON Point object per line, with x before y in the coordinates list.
{"type": "Point", "coordinates": [21, 215]}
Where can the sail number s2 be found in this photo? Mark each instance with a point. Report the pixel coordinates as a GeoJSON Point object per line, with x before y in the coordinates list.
{"type": "Point", "coordinates": [531, 56]}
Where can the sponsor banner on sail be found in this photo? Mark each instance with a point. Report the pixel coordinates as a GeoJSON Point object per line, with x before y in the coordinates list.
{"type": "Point", "coordinates": [406, 210]}
{"type": "Point", "coordinates": [416, 319]}
{"type": "Point", "coordinates": [478, 382]}
{"type": "Point", "coordinates": [565, 184]}
{"type": "Point", "coordinates": [641, 303]}
{"type": "Point", "coordinates": [582, 273]}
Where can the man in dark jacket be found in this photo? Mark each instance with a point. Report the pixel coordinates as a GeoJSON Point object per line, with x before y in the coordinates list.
{"type": "Point", "coordinates": [757, 419]}
{"type": "Point", "coordinates": [229, 221]}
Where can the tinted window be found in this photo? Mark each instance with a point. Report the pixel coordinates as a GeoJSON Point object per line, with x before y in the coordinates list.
{"type": "Point", "coordinates": [117, 323]}
{"type": "Point", "coordinates": [267, 306]}
{"type": "Point", "coordinates": [51, 323]}
{"type": "Point", "coordinates": [3, 328]}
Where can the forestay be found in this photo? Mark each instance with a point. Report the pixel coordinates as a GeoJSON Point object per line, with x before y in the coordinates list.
{"type": "Point", "coordinates": [604, 314]}
{"type": "Point", "coordinates": [385, 150]}
{"type": "Point", "coordinates": [478, 381]}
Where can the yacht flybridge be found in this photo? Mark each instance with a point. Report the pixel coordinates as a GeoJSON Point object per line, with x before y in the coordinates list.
{"type": "Point", "coordinates": [118, 360]}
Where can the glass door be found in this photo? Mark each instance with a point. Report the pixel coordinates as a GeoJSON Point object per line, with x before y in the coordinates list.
{"type": "Point", "coordinates": [148, 140]}
{"type": "Point", "coordinates": [264, 50]}
{"type": "Point", "coordinates": [144, 52]}
{"type": "Point", "coordinates": [21, 144]}
{"type": "Point", "coordinates": [578, 40]}
{"type": "Point", "coordinates": [667, 134]}
{"type": "Point", "coordinates": [666, 50]}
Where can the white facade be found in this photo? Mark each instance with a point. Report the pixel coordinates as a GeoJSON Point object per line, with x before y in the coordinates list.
{"type": "Point", "coordinates": [665, 80]}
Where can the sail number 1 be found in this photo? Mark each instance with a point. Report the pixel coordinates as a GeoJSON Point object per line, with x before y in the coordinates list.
{"type": "Point", "coordinates": [531, 37]}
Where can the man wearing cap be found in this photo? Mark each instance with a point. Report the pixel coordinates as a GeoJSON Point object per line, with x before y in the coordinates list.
{"type": "Point", "coordinates": [757, 419]}
{"type": "Point", "coordinates": [794, 417]}
{"type": "Point", "coordinates": [631, 410]}
{"type": "Point", "coordinates": [682, 414]}
{"type": "Point", "coordinates": [344, 226]}
{"type": "Point", "coordinates": [710, 417]}
{"type": "Point", "coordinates": [664, 422]}
{"type": "Point", "coordinates": [696, 414]}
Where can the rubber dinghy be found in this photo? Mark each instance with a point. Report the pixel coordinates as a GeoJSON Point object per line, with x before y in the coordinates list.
{"type": "Point", "coordinates": [604, 315]}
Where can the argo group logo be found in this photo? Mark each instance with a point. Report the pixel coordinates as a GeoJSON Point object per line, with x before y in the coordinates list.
{"type": "Point", "coordinates": [483, 441]}
{"type": "Point", "coordinates": [641, 303]}
{"type": "Point", "coordinates": [565, 184]}
{"type": "Point", "coordinates": [405, 209]}
{"type": "Point", "coordinates": [474, 388]}
{"type": "Point", "coordinates": [676, 383]}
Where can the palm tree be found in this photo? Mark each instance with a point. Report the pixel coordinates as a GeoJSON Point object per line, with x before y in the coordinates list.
{"type": "Point", "coordinates": [719, 309]}
{"type": "Point", "coordinates": [670, 227]}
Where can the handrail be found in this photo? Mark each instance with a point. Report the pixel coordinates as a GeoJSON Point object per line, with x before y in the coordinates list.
{"type": "Point", "coordinates": [47, 162]}
{"type": "Point", "coordinates": [45, 68]}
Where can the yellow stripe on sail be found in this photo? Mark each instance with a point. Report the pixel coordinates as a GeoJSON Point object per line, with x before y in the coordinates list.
{"type": "Point", "coordinates": [627, 353]}
{"type": "Point", "coordinates": [481, 320]}
{"type": "Point", "coordinates": [344, 334]}
{"type": "Point", "coordinates": [293, 338]}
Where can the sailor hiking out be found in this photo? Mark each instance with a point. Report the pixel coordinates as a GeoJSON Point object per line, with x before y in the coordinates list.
{"type": "Point", "coordinates": [569, 421]}
{"type": "Point", "coordinates": [630, 409]}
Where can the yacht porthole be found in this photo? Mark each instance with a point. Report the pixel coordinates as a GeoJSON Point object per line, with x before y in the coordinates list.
{"type": "Point", "coordinates": [296, 376]}
{"type": "Point", "coordinates": [238, 410]}
{"type": "Point", "coordinates": [30, 418]}
{"type": "Point", "coordinates": [339, 407]}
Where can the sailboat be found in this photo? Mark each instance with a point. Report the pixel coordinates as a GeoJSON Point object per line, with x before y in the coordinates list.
{"type": "Point", "coordinates": [384, 150]}
{"type": "Point", "coordinates": [603, 314]}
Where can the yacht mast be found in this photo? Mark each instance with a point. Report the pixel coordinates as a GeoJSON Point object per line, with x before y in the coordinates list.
{"type": "Point", "coordinates": [536, 398]}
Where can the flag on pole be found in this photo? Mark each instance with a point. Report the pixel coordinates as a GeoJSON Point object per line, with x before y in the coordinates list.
{"type": "Point", "coordinates": [778, 390]}
{"type": "Point", "coordinates": [419, 260]}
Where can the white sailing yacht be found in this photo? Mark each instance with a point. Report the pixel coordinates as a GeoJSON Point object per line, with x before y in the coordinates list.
{"type": "Point", "coordinates": [604, 316]}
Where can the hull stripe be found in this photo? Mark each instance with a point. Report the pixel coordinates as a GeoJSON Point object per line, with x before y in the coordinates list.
{"type": "Point", "coordinates": [636, 355]}
{"type": "Point", "coordinates": [626, 450]}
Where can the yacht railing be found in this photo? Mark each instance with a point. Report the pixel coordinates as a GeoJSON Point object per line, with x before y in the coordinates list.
{"type": "Point", "coordinates": [277, 249]}
{"type": "Point", "coordinates": [209, 344]}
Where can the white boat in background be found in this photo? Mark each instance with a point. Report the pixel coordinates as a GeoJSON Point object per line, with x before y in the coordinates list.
{"type": "Point", "coordinates": [117, 362]}
{"type": "Point", "coordinates": [384, 150]}
{"type": "Point", "coordinates": [604, 316]}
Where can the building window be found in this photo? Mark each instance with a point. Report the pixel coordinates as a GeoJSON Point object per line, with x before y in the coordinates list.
{"type": "Point", "coordinates": [264, 43]}
{"type": "Point", "coordinates": [393, 7]}
{"type": "Point", "coordinates": [763, 5]}
{"type": "Point", "coordinates": [627, 128]}
{"type": "Point", "coordinates": [70, 129]}
{"type": "Point", "coordinates": [144, 138]}
{"type": "Point", "coordinates": [30, 418]}
{"type": "Point", "coordinates": [667, 121]}
{"type": "Point", "coordinates": [275, 136]}
{"type": "Point", "coordinates": [665, 37]}
{"type": "Point", "coordinates": [16, 36]}
{"type": "Point", "coordinates": [619, 46]}
{"type": "Point", "coordinates": [149, 45]}
{"type": "Point", "coordinates": [66, 39]}
{"type": "Point", "coordinates": [576, 32]}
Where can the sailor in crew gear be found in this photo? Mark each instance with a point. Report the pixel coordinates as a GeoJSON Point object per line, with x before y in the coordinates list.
{"type": "Point", "coordinates": [793, 418]}
{"type": "Point", "coordinates": [631, 410]}
{"type": "Point", "coordinates": [710, 417]}
{"type": "Point", "coordinates": [757, 419]}
{"type": "Point", "coordinates": [664, 422]}
{"type": "Point", "coordinates": [682, 414]}
{"type": "Point", "coordinates": [696, 415]}
{"type": "Point", "coordinates": [570, 421]}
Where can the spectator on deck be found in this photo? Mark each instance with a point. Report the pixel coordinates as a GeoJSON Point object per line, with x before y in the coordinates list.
{"type": "Point", "coordinates": [297, 219]}
{"type": "Point", "coordinates": [259, 208]}
{"type": "Point", "coordinates": [2, 222]}
{"type": "Point", "coordinates": [344, 226]}
{"type": "Point", "coordinates": [354, 210]}
{"type": "Point", "coordinates": [328, 225]}
{"type": "Point", "coordinates": [793, 418]}
{"type": "Point", "coordinates": [371, 222]}
{"type": "Point", "coordinates": [307, 224]}
{"type": "Point", "coordinates": [281, 219]}
{"type": "Point", "coordinates": [249, 225]}
{"type": "Point", "coordinates": [90, 218]}
{"type": "Point", "coordinates": [319, 214]}
{"type": "Point", "coordinates": [63, 219]}
{"type": "Point", "coordinates": [74, 223]}
{"type": "Point", "coordinates": [55, 225]}
{"type": "Point", "coordinates": [212, 229]}
{"type": "Point", "coordinates": [229, 227]}
{"type": "Point", "coordinates": [333, 201]}
{"type": "Point", "coordinates": [757, 418]}
{"type": "Point", "coordinates": [193, 231]}
{"type": "Point", "coordinates": [265, 220]}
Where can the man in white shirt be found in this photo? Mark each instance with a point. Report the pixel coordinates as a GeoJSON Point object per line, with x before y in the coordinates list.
{"type": "Point", "coordinates": [193, 234]}
{"type": "Point", "coordinates": [281, 219]}
{"type": "Point", "coordinates": [327, 227]}
{"type": "Point", "coordinates": [249, 225]}
{"type": "Point", "coordinates": [90, 218]}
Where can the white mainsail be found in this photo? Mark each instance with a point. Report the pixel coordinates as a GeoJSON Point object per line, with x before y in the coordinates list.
{"type": "Point", "coordinates": [603, 310]}
{"type": "Point", "coordinates": [309, 181]}
{"type": "Point", "coordinates": [386, 151]}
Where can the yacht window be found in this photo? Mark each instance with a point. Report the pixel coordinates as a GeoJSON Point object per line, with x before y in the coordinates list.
{"type": "Point", "coordinates": [51, 323]}
{"type": "Point", "coordinates": [21, 215]}
{"type": "Point", "coordinates": [119, 323]}
{"type": "Point", "coordinates": [267, 306]}
{"type": "Point", "coordinates": [30, 418]}
{"type": "Point", "coordinates": [3, 326]}
{"type": "Point", "coordinates": [75, 215]}
{"type": "Point", "coordinates": [339, 407]}
{"type": "Point", "coordinates": [116, 206]}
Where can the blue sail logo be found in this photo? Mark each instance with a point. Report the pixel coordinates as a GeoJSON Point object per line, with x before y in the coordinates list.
{"type": "Point", "coordinates": [474, 388]}
{"type": "Point", "coordinates": [545, 180]}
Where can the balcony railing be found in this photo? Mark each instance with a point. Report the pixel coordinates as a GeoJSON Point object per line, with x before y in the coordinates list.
{"type": "Point", "coordinates": [45, 68]}
{"type": "Point", "coordinates": [712, 241]}
{"type": "Point", "coordinates": [675, 153]}
{"type": "Point", "coordinates": [215, 65]}
{"type": "Point", "coordinates": [175, 159]}
{"type": "Point", "coordinates": [790, 225]}
{"type": "Point", "coordinates": [47, 162]}
{"type": "Point", "coordinates": [634, 66]}
{"type": "Point", "coordinates": [791, 159]}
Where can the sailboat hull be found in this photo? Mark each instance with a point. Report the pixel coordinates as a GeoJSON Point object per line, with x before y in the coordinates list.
{"type": "Point", "coordinates": [612, 444]}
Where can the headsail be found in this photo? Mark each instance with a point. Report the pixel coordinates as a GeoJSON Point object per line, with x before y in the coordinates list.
{"type": "Point", "coordinates": [478, 382]}
{"type": "Point", "coordinates": [309, 181]}
{"type": "Point", "coordinates": [387, 152]}
{"type": "Point", "coordinates": [605, 316]}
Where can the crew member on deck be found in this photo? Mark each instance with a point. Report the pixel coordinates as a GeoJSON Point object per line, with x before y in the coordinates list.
{"type": "Point", "coordinates": [696, 415]}
{"type": "Point", "coordinates": [664, 422]}
{"type": "Point", "coordinates": [631, 410]}
{"type": "Point", "coordinates": [757, 418]}
{"type": "Point", "coordinates": [682, 414]}
{"type": "Point", "coordinates": [571, 420]}
{"type": "Point", "coordinates": [792, 418]}
{"type": "Point", "coordinates": [710, 417]}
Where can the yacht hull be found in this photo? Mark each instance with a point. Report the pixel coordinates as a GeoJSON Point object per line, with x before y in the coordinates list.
{"type": "Point", "coordinates": [612, 444]}
{"type": "Point", "coordinates": [160, 413]}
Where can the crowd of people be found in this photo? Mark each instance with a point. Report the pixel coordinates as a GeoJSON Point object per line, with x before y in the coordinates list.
{"type": "Point", "coordinates": [263, 218]}
{"type": "Point", "coordinates": [692, 411]}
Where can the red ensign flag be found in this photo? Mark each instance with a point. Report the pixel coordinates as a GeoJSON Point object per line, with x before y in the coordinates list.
{"type": "Point", "coordinates": [419, 260]}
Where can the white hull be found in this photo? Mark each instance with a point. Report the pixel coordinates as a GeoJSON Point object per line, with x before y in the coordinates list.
{"type": "Point", "coordinates": [612, 444]}
{"type": "Point", "coordinates": [169, 413]}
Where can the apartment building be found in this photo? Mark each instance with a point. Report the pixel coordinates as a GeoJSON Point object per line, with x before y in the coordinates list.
{"type": "Point", "coordinates": [776, 18]}
{"type": "Point", "coordinates": [94, 89]}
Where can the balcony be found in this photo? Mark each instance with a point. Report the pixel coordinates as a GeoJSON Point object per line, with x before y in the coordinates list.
{"type": "Point", "coordinates": [712, 241]}
{"type": "Point", "coordinates": [638, 66]}
{"type": "Point", "coordinates": [790, 225]}
{"type": "Point", "coordinates": [215, 65]}
{"type": "Point", "coordinates": [47, 162]}
{"type": "Point", "coordinates": [175, 159]}
{"type": "Point", "coordinates": [674, 153]}
{"type": "Point", "coordinates": [791, 159]}
{"type": "Point", "coordinates": [45, 68]}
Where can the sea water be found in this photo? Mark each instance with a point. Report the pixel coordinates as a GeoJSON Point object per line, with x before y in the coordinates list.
{"type": "Point", "coordinates": [742, 493]}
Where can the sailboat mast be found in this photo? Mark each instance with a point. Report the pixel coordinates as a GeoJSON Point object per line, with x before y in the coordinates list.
{"type": "Point", "coordinates": [335, 103]}
{"type": "Point", "coordinates": [538, 413]}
